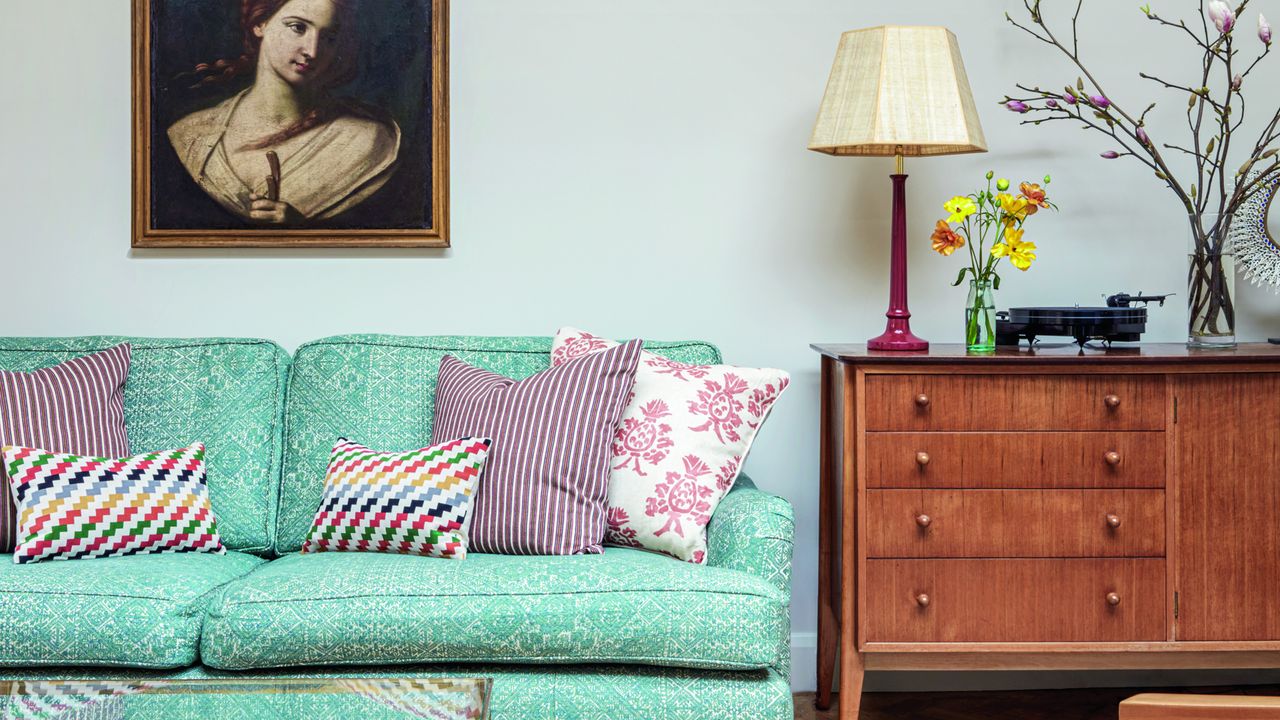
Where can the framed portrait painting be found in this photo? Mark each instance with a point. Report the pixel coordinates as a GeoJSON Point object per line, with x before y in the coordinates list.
{"type": "Point", "coordinates": [290, 123]}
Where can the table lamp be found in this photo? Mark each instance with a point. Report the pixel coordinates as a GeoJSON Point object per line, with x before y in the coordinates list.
{"type": "Point", "coordinates": [898, 90]}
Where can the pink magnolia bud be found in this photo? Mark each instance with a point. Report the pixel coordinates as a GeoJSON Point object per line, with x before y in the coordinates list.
{"type": "Point", "coordinates": [1017, 106]}
{"type": "Point", "coordinates": [1111, 154]}
{"type": "Point", "coordinates": [1237, 81]}
{"type": "Point", "coordinates": [1222, 16]}
{"type": "Point", "coordinates": [1051, 103]}
{"type": "Point", "coordinates": [1142, 136]}
{"type": "Point", "coordinates": [1264, 29]}
{"type": "Point", "coordinates": [1100, 102]}
{"type": "Point", "coordinates": [1069, 98]}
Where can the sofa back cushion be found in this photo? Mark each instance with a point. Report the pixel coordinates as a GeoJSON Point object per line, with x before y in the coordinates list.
{"type": "Point", "coordinates": [225, 393]}
{"type": "Point", "coordinates": [380, 390]}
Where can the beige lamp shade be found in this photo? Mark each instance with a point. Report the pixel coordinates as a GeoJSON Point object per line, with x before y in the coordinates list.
{"type": "Point", "coordinates": [897, 89]}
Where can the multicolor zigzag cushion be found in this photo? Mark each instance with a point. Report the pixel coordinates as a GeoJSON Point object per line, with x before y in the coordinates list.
{"type": "Point", "coordinates": [73, 507]}
{"type": "Point", "coordinates": [409, 503]}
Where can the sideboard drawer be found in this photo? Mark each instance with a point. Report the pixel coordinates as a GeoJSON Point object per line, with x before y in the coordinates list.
{"type": "Point", "coordinates": [1016, 460]}
{"type": "Point", "coordinates": [1015, 600]}
{"type": "Point", "coordinates": [1015, 523]}
{"type": "Point", "coordinates": [1015, 402]}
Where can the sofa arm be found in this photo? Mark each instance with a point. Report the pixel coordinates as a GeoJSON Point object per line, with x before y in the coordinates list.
{"type": "Point", "coordinates": [753, 531]}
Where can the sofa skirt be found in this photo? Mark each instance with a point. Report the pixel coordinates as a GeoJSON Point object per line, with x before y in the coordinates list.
{"type": "Point", "coordinates": [546, 692]}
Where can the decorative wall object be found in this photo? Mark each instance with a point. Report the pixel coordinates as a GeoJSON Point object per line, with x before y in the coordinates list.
{"type": "Point", "coordinates": [289, 123]}
{"type": "Point", "coordinates": [1255, 234]}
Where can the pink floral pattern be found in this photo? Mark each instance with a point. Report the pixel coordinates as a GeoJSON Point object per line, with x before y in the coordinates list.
{"type": "Point", "coordinates": [720, 405]}
{"type": "Point", "coordinates": [677, 370]}
{"type": "Point", "coordinates": [679, 446]}
{"type": "Point", "coordinates": [577, 346]}
{"type": "Point", "coordinates": [683, 496]}
{"type": "Point", "coordinates": [762, 399]}
{"type": "Point", "coordinates": [617, 531]}
{"type": "Point", "coordinates": [644, 437]}
{"type": "Point", "coordinates": [728, 473]}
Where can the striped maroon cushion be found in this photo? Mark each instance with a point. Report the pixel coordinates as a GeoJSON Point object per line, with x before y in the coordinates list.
{"type": "Point", "coordinates": [76, 407]}
{"type": "Point", "coordinates": [544, 489]}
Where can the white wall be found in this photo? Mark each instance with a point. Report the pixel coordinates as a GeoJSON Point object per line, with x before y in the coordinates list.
{"type": "Point", "coordinates": [635, 167]}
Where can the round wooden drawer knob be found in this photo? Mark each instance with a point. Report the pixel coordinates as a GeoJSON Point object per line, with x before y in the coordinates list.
{"type": "Point", "coordinates": [924, 521]}
{"type": "Point", "coordinates": [1113, 599]}
{"type": "Point", "coordinates": [1112, 458]}
{"type": "Point", "coordinates": [922, 458]}
{"type": "Point", "coordinates": [1112, 401]}
{"type": "Point", "coordinates": [1113, 521]}
{"type": "Point", "coordinates": [922, 400]}
{"type": "Point", "coordinates": [922, 600]}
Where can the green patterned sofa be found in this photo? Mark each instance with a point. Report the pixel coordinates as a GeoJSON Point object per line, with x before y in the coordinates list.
{"type": "Point", "coordinates": [626, 634]}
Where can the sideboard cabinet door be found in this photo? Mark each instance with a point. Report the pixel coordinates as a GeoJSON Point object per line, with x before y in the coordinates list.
{"type": "Point", "coordinates": [1227, 470]}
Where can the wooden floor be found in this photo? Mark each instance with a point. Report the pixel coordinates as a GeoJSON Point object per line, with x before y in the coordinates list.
{"type": "Point", "coordinates": [1092, 704]}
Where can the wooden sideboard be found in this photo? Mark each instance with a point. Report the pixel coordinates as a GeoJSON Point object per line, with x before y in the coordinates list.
{"type": "Point", "coordinates": [1054, 508]}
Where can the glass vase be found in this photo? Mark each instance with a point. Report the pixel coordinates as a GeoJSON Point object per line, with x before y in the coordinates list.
{"type": "Point", "coordinates": [980, 318]}
{"type": "Point", "coordinates": [1211, 285]}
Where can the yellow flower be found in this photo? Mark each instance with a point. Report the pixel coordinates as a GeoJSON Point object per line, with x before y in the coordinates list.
{"type": "Point", "coordinates": [1015, 209]}
{"type": "Point", "coordinates": [945, 240]}
{"type": "Point", "coordinates": [960, 208]}
{"type": "Point", "coordinates": [1021, 254]}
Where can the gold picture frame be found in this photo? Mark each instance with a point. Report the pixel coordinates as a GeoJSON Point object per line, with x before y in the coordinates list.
{"type": "Point", "coordinates": [413, 186]}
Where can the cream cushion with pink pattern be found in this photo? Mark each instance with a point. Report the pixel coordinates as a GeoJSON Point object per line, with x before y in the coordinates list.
{"type": "Point", "coordinates": [679, 445]}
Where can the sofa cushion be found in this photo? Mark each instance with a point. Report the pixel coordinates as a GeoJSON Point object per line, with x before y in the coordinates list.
{"type": "Point", "coordinates": [624, 606]}
{"type": "Point", "coordinates": [381, 390]}
{"type": "Point", "coordinates": [73, 407]}
{"type": "Point", "coordinates": [680, 445]}
{"type": "Point", "coordinates": [544, 489]}
{"type": "Point", "coordinates": [73, 508]}
{"type": "Point", "coordinates": [143, 611]}
{"type": "Point", "coordinates": [227, 394]}
{"type": "Point", "coordinates": [414, 503]}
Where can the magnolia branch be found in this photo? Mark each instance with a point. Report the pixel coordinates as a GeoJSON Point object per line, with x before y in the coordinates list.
{"type": "Point", "coordinates": [1159, 163]}
{"type": "Point", "coordinates": [1129, 133]}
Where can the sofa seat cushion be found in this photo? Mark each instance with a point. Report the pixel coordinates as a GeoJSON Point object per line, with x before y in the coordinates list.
{"type": "Point", "coordinates": [623, 606]}
{"type": "Point", "coordinates": [142, 611]}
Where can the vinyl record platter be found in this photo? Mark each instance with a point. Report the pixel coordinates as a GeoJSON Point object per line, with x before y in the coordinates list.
{"type": "Point", "coordinates": [1119, 321]}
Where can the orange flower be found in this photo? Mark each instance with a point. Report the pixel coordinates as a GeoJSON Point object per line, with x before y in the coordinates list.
{"type": "Point", "coordinates": [1035, 197]}
{"type": "Point", "coordinates": [945, 240]}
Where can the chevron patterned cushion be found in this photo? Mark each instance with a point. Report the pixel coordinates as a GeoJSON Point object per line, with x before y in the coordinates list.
{"type": "Point", "coordinates": [411, 503]}
{"type": "Point", "coordinates": [73, 507]}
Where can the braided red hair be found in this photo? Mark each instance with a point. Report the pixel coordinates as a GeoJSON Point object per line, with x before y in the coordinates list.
{"type": "Point", "coordinates": [253, 13]}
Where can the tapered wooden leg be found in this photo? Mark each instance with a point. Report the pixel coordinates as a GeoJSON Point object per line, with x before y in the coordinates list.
{"type": "Point", "coordinates": [828, 546]}
{"type": "Point", "coordinates": [851, 674]}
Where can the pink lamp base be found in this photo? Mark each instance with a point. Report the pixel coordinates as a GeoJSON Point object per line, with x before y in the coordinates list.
{"type": "Point", "coordinates": [897, 336]}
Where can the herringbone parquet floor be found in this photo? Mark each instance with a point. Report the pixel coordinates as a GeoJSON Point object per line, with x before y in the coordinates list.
{"type": "Point", "coordinates": [1091, 704]}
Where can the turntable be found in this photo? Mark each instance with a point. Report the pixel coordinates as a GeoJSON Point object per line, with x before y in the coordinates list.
{"type": "Point", "coordinates": [1117, 322]}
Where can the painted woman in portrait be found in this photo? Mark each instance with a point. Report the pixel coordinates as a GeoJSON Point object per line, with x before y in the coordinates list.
{"type": "Point", "coordinates": [289, 150]}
